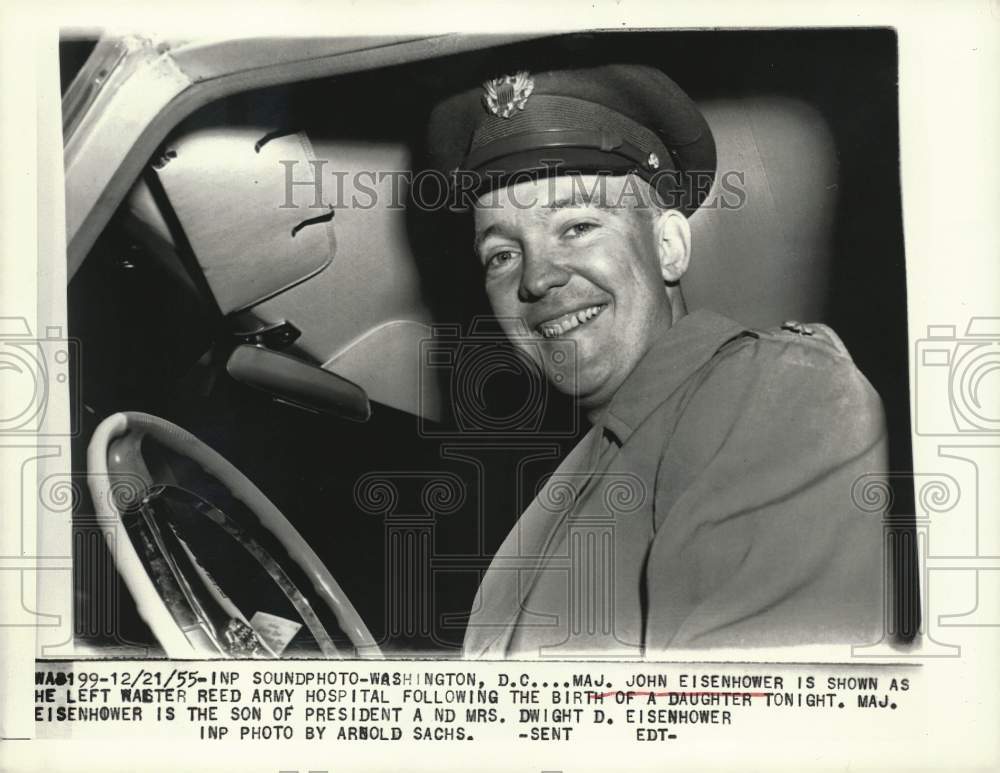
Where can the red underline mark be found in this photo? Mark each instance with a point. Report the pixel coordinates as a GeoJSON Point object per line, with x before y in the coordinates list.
{"type": "Point", "coordinates": [679, 692]}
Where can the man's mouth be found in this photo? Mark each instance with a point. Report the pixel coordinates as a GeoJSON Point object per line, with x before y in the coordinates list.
{"type": "Point", "coordinates": [561, 325]}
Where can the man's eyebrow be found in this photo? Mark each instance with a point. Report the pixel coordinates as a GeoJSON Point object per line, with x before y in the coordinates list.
{"type": "Point", "coordinates": [491, 230]}
{"type": "Point", "coordinates": [576, 199]}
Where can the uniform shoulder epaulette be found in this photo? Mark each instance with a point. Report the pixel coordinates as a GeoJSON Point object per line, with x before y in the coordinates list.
{"type": "Point", "coordinates": [810, 332]}
{"type": "Point", "coordinates": [814, 336]}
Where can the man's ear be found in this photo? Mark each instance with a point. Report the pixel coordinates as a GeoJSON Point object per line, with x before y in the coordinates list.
{"type": "Point", "coordinates": [673, 242]}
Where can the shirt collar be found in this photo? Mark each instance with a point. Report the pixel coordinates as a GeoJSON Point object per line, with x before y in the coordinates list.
{"type": "Point", "coordinates": [675, 355]}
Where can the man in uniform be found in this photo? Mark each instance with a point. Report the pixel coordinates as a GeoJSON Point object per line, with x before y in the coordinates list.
{"type": "Point", "coordinates": [710, 504]}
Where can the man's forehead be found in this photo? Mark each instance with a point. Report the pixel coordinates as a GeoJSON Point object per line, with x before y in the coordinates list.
{"type": "Point", "coordinates": [545, 197]}
{"type": "Point", "coordinates": [546, 192]}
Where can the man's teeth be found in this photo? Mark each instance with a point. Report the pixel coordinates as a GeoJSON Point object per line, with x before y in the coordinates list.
{"type": "Point", "coordinates": [567, 322]}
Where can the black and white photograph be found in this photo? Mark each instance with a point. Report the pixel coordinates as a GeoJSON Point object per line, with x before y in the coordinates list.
{"type": "Point", "coordinates": [607, 391]}
{"type": "Point", "coordinates": [584, 344]}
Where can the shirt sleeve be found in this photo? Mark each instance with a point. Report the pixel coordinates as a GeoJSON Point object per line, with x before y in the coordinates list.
{"type": "Point", "coordinates": [759, 538]}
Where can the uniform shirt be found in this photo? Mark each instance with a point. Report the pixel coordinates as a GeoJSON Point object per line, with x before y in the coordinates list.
{"type": "Point", "coordinates": [710, 505]}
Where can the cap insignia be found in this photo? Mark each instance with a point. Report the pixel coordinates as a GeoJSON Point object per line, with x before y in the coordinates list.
{"type": "Point", "coordinates": [503, 95]}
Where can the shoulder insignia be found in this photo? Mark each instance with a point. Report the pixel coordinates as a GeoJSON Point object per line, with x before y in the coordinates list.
{"type": "Point", "coordinates": [815, 331]}
{"type": "Point", "coordinates": [797, 327]}
{"type": "Point", "coordinates": [814, 335]}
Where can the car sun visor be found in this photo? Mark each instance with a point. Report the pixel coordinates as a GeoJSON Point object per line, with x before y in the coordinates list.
{"type": "Point", "coordinates": [252, 235]}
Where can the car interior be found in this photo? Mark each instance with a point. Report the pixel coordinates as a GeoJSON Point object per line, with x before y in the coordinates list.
{"type": "Point", "coordinates": [267, 286]}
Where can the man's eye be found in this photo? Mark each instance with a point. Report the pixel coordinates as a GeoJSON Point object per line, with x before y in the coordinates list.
{"type": "Point", "coordinates": [579, 229]}
{"type": "Point", "coordinates": [500, 260]}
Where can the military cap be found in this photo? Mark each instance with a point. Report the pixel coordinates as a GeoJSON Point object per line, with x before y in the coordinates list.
{"type": "Point", "coordinates": [611, 119]}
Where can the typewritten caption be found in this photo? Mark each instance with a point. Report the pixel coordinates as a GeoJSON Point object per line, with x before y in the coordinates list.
{"type": "Point", "coordinates": [352, 702]}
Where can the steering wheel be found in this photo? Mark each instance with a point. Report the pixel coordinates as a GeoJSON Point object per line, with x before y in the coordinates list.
{"type": "Point", "coordinates": [124, 492]}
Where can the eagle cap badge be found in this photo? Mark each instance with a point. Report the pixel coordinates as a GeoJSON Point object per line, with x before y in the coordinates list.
{"type": "Point", "coordinates": [504, 95]}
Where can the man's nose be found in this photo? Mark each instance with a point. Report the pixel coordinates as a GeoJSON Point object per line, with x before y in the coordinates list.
{"type": "Point", "coordinates": [540, 274]}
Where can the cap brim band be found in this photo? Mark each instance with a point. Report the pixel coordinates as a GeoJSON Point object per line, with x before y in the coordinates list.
{"type": "Point", "coordinates": [556, 141]}
{"type": "Point", "coordinates": [671, 185]}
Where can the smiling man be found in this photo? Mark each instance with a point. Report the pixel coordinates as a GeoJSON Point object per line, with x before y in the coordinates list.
{"type": "Point", "coordinates": [711, 502]}
{"type": "Point", "coordinates": [592, 260]}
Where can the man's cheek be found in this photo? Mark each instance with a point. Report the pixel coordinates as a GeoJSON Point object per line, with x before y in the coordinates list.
{"type": "Point", "coordinates": [501, 292]}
